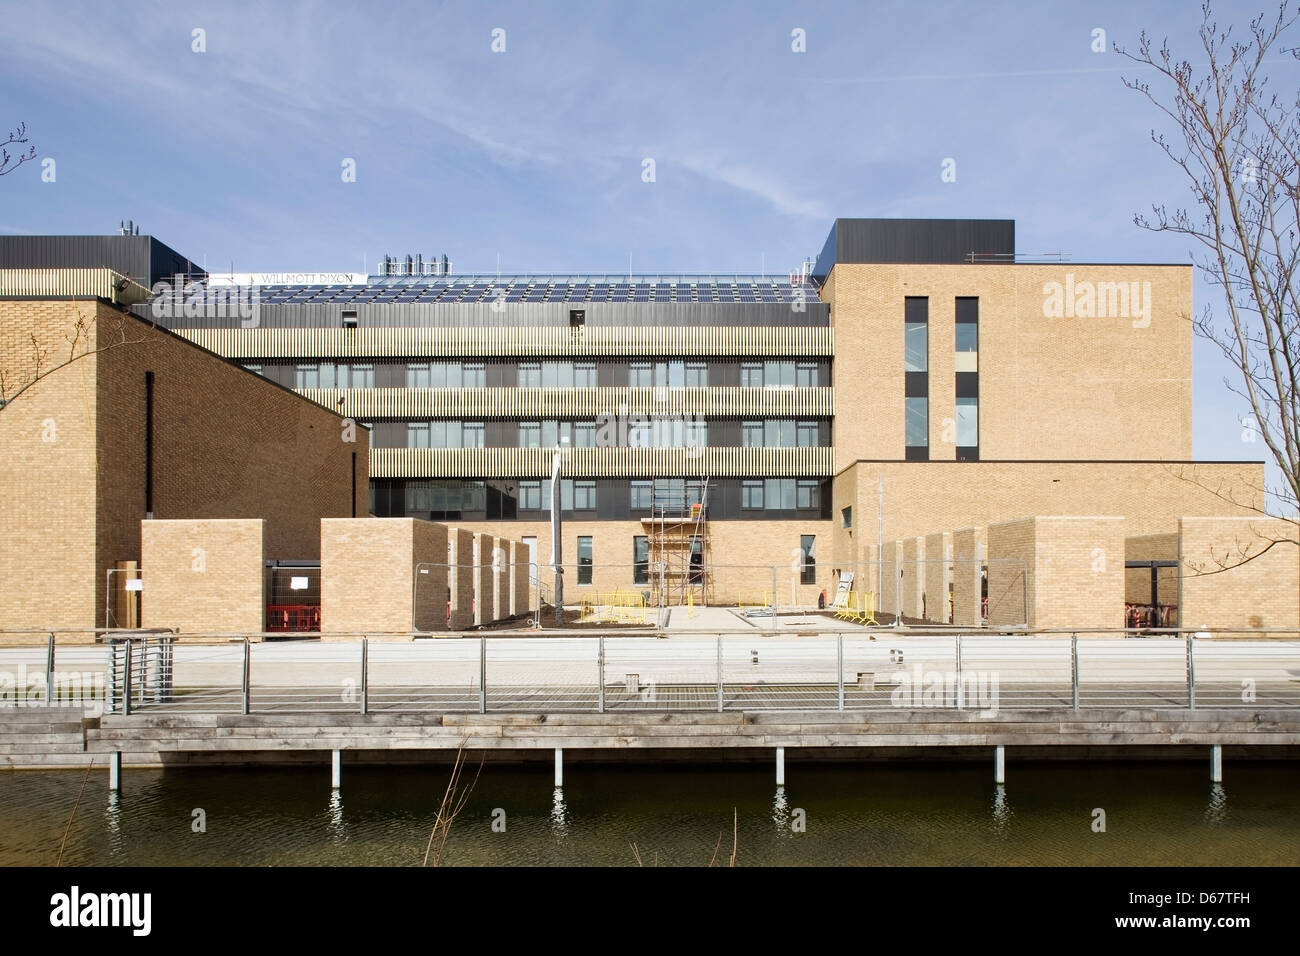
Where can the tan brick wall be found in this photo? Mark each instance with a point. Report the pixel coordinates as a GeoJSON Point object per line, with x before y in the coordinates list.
{"type": "Point", "coordinates": [367, 567]}
{"type": "Point", "coordinates": [47, 473]}
{"type": "Point", "coordinates": [1261, 592]}
{"type": "Point", "coordinates": [227, 444]}
{"type": "Point", "coordinates": [925, 497]}
{"type": "Point", "coordinates": [433, 590]}
{"type": "Point", "coordinates": [520, 587]}
{"type": "Point", "coordinates": [1049, 387]}
{"type": "Point", "coordinates": [913, 576]}
{"type": "Point", "coordinates": [204, 575]}
{"type": "Point", "coordinates": [1070, 570]}
{"type": "Point", "coordinates": [938, 574]}
{"type": "Point", "coordinates": [968, 552]}
{"type": "Point", "coordinates": [1137, 581]}
{"type": "Point", "coordinates": [460, 551]}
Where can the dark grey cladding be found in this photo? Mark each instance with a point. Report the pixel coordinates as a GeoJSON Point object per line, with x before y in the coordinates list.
{"type": "Point", "coordinates": [517, 314]}
{"type": "Point", "coordinates": [916, 241]}
{"type": "Point", "coordinates": [142, 258]}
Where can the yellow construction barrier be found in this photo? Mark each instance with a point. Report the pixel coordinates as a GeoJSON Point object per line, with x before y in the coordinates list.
{"type": "Point", "coordinates": [754, 599]}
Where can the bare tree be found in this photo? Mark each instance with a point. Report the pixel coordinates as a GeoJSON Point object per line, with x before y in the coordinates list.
{"type": "Point", "coordinates": [87, 335]}
{"type": "Point", "coordinates": [1237, 141]}
{"type": "Point", "coordinates": [11, 161]}
{"type": "Point", "coordinates": [453, 802]}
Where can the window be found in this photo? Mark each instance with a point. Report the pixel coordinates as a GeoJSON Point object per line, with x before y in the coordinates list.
{"type": "Point", "coordinates": [307, 376]}
{"type": "Point", "coordinates": [640, 497]}
{"type": "Point", "coordinates": [808, 545]}
{"type": "Point", "coordinates": [584, 374]}
{"type": "Point", "coordinates": [779, 433]}
{"type": "Point", "coordinates": [640, 433]}
{"type": "Point", "coordinates": [584, 434]}
{"type": "Point", "coordinates": [255, 369]}
{"type": "Point", "coordinates": [577, 319]}
{"type": "Point", "coordinates": [751, 496]}
{"type": "Point", "coordinates": [356, 376]}
{"type": "Point", "coordinates": [640, 374]}
{"type": "Point", "coordinates": [917, 415]}
{"type": "Point", "coordinates": [349, 319]}
{"type": "Point", "coordinates": [916, 347]}
{"type": "Point", "coordinates": [584, 559]}
{"type": "Point", "coordinates": [751, 434]}
{"type": "Point", "coordinates": [846, 516]}
{"type": "Point", "coordinates": [778, 374]}
{"type": "Point", "coordinates": [751, 374]}
{"type": "Point", "coordinates": [530, 496]}
{"type": "Point", "coordinates": [472, 434]}
{"type": "Point", "coordinates": [473, 375]}
{"type": "Point", "coordinates": [417, 434]}
{"type": "Point", "coordinates": [640, 559]}
{"type": "Point", "coordinates": [808, 495]}
{"type": "Point", "coordinates": [417, 375]}
{"type": "Point", "coordinates": [806, 375]}
{"type": "Point", "coordinates": [530, 375]}
{"type": "Point", "coordinates": [697, 374]}
{"type": "Point", "coordinates": [557, 374]}
{"type": "Point", "coordinates": [584, 496]}
{"type": "Point", "coordinates": [968, 429]}
{"type": "Point", "coordinates": [438, 434]}
{"type": "Point", "coordinates": [530, 434]}
{"type": "Point", "coordinates": [808, 434]}
{"type": "Point", "coordinates": [779, 493]}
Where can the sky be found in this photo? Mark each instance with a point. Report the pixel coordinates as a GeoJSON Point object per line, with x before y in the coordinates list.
{"type": "Point", "coordinates": [531, 157]}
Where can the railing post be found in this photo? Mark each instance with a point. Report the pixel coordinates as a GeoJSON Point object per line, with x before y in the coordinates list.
{"type": "Point", "coordinates": [126, 682]}
{"type": "Point", "coordinates": [482, 675]}
{"type": "Point", "coordinates": [112, 677]}
{"type": "Point", "coordinates": [773, 609]}
{"type": "Point", "coordinates": [839, 669]}
{"type": "Point", "coordinates": [719, 673]}
{"type": "Point", "coordinates": [1191, 674]}
{"type": "Point", "coordinates": [246, 703]}
{"type": "Point", "coordinates": [1074, 671]}
{"type": "Point", "coordinates": [600, 675]}
{"type": "Point", "coordinates": [49, 671]}
{"type": "Point", "coordinates": [365, 676]}
{"type": "Point", "coordinates": [958, 689]}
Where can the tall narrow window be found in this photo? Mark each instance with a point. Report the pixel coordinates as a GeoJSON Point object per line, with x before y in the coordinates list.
{"type": "Point", "coordinates": [640, 559]}
{"type": "Point", "coordinates": [584, 559]}
{"type": "Point", "coordinates": [916, 367]}
{"type": "Point", "coordinates": [808, 547]}
{"type": "Point", "coordinates": [968, 379]}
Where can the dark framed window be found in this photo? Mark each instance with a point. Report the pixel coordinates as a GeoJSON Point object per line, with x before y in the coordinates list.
{"type": "Point", "coordinates": [640, 559]}
{"type": "Point", "coordinates": [808, 547]}
{"type": "Point", "coordinates": [751, 495]}
{"type": "Point", "coordinates": [584, 559]}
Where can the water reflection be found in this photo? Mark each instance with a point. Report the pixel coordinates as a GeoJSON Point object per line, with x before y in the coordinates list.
{"type": "Point", "coordinates": [337, 826]}
{"type": "Point", "coordinates": [113, 822]}
{"type": "Point", "coordinates": [1216, 811]}
{"type": "Point", "coordinates": [559, 814]}
{"type": "Point", "coordinates": [781, 811]}
{"type": "Point", "coordinates": [1002, 812]}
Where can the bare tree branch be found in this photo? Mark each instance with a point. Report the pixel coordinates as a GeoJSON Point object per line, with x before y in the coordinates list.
{"type": "Point", "coordinates": [9, 162]}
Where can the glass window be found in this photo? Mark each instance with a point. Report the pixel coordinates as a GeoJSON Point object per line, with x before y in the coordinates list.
{"type": "Point", "coordinates": [362, 376]}
{"type": "Point", "coordinates": [584, 495]}
{"type": "Point", "coordinates": [327, 376]}
{"type": "Point", "coordinates": [917, 413]}
{"type": "Point", "coordinates": [417, 375]}
{"type": "Point", "coordinates": [584, 559]}
{"type": "Point", "coordinates": [808, 495]}
{"type": "Point", "coordinates": [473, 375]}
{"type": "Point", "coordinates": [530, 375]}
{"type": "Point", "coordinates": [640, 559]}
{"type": "Point", "coordinates": [550, 433]}
{"type": "Point", "coordinates": [916, 347]}
{"type": "Point", "coordinates": [806, 375]}
{"type": "Point", "coordinates": [640, 498]}
{"type": "Point", "coordinates": [846, 516]}
{"type": "Point", "coordinates": [557, 374]}
{"type": "Point", "coordinates": [779, 433]}
{"type": "Point", "coordinates": [696, 433]}
{"type": "Point", "coordinates": [640, 433]}
{"type": "Point", "coordinates": [751, 374]}
{"type": "Point", "coordinates": [751, 495]}
{"type": "Point", "coordinates": [417, 434]}
{"type": "Point", "coordinates": [530, 496]}
{"type": "Point", "coordinates": [968, 337]}
{"type": "Point", "coordinates": [437, 374]}
{"type": "Point", "coordinates": [454, 379]}
{"type": "Point", "coordinates": [751, 434]}
{"type": "Point", "coordinates": [437, 434]}
{"type": "Point", "coordinates": [778, 374]}
{"type": "Point", "coordinates": [968, 422]}
{"type": "Point", "coordinates": [584, 374]}
{"type": "Point", "coordinates": [809, 434]}
{"type": "Point", "coordinates": [256, 370]}
{"type": "Point", "coordinates": [472, 434]}
{"type": "Point", "coordinates": [419, 497]}
{"type": "Point", "coordinates": [780, 494]}
{"type": "Point", "coordinates": [307, 376]}
{"type": "Point", "coordinates": [584, 434]}
{"type": "Point", "coordinates": [808, 546]}
{"type": "Point", "coordinates": [697, 374]}
{"type": "Point", "coordinates": [640, 374]}
{"type": "Point", "coordinates": [530, 434]}
{"type": "Point", "coordinates": [676, 374]}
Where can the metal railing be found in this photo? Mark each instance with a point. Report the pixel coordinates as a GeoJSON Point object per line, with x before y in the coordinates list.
{"type": "Point", "coordinates": [722, 672]}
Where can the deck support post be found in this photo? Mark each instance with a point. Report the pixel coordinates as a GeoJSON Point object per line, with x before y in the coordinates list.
{"type": "Point", "coordinates": [336, 769]}
{"type": "Point", "coordinates": [999, 764]}
{"type": "Point", "coordinates": [115, 771]}
{"type": "Point", "coordinates": [559, 766]}
{"type": "Point", "coordinates": [780, 766]}
{"type": "Point", "coordinates": [1216, 763]}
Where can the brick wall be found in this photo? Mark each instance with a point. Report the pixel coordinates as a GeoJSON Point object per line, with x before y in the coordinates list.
{"type": "Point", "coordinates": [938, 574]}
{"type": "Point", "coordinates": [1137, 581]}
{"type": "Point", "coordinates": [1254, 593]}
{"type": "Point", "coordinates": [204, 575]}
{"type": "Point", "coordinates": [968, 547]}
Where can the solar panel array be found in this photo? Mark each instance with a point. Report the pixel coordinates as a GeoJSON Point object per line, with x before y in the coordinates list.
{"type": "Point", "coordinates": [537, 289]}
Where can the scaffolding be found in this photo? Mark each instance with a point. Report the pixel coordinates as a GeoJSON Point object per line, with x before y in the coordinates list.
{"type": "Point", "coordinates": [677, 533]}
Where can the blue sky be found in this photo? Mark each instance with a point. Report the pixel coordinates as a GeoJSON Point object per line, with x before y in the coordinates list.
{"type": "Point", "coordinates": [535, 154]}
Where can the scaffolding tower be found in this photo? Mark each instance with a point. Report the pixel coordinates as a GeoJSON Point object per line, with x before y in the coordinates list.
{"type": "Point", "coordinates": [677, 532]}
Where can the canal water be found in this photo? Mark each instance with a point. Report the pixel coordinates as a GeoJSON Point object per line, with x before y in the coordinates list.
{"type": "Point", "coordinates": [867, 814]}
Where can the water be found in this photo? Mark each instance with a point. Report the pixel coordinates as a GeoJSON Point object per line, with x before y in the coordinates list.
{"type": "Point", "coordinates": [866, 814]}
